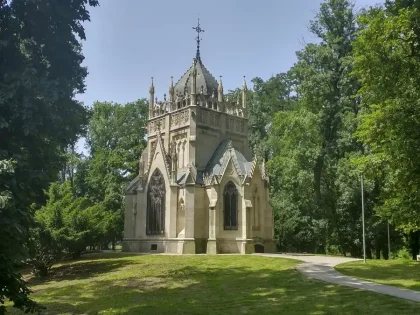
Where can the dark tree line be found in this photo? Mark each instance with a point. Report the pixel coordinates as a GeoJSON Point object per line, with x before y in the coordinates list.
{"type": "Point", "coordinates": [347, 106]}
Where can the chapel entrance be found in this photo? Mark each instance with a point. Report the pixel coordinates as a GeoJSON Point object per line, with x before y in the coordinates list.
{"type": "Point", "coordinates": [258, 248]}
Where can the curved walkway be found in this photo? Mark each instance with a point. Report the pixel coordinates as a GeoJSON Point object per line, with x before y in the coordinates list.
{"type": "Point", "coordinates": [322, 268]}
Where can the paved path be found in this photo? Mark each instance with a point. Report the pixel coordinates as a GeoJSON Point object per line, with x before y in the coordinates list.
{"type": "Point", "coordinates": [322, 268]}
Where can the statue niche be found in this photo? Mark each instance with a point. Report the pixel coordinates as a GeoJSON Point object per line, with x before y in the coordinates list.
{"type": "Point", "coordinates": [156, 193]}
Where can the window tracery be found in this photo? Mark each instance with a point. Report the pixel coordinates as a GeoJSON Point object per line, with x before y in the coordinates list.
{"type": "Point", "coordinates": [230, 207]}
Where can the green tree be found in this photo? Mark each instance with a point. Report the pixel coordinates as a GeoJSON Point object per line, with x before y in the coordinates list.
{"type": "Point", "coordinates": [71, 222]}
{"type": "Point", "coordinates": [387, 61]}
{"type": "Point", "coordinates": [269, 97]}
{"type": "Point", "coordinates": [43, 250]}
{"type": "Point", "coordinates": [311, 172]}
{"type": "Point", "coordinates": [295, 141]}
{"type": "Point", "coordinates": [40, 71]}
{"type": "Point", "coordinates": [116, 139]}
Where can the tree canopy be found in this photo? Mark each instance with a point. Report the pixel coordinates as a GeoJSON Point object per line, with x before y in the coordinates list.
{"type": "Point", "coordinates": [41, 70]}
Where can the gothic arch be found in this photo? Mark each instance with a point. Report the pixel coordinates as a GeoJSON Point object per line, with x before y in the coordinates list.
{"type": "Point", "coordinates": [156, 202]}
{"type": "Point", "coordinates": [230, 207]}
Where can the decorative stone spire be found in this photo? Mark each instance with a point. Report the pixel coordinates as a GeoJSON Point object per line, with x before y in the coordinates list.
{"type": "Point", "coordinates": [171, 91]}
{"type": "Point", "coordinates": [164, 104]}
{"type": "Point", "coordinates": [220, 90]}
{"type": "Point", "coordinates": [141, 167]}
{"type": "Point", "coordinates": [194, 83]}
{"type": "Point", "coordinates": [237, 109]}
{"type": "Point", "coordinates": [173, 155]}
{"type": "Point", "coordinates": [244, 98]}
{"type": "Point", "coordinates": [151, 99]}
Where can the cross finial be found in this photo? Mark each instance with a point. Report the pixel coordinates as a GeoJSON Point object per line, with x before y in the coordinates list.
{"type": "Point", "coordinates": [199, 30]}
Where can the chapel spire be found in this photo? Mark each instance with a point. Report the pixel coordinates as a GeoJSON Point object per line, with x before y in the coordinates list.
{"type": "Point", "coordinates": [151, 99]}
{"type": "Point", "coordinates": [199, 30]}
{"type": "Point", "coordinates": [244, 97]}
{"type": "Point", "coordinates": [171, 91]}
{"type": "Point", "coordinates": [220, 90]}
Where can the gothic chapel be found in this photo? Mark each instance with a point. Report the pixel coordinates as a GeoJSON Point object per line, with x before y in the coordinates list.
{"type": "Point", "coordinates": [198, 190]}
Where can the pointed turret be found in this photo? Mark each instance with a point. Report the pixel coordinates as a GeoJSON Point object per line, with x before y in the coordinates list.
{"type": "Point", "coordinates": [244, 97]}
{"type": "Point", "coordinates": [171, 93]}
{"type": "Point", "coordinates": [151, 99]}
{"type": "Point", "coordinates": [194, 84]}
{"type": "Point", "coordinates": [220, 90]}
{"type": "Point", "coordinates": [238, 107]}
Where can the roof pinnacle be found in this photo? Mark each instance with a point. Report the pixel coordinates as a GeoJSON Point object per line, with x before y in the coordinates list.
{"type": "Point", "coordinates": [171, 87]}
{"type": "Point", "coordinates": [152, 88]}
{"type": "Point", "coordinates": [199, 30]}
{"type": "Point", "coordinates": [244, 87]}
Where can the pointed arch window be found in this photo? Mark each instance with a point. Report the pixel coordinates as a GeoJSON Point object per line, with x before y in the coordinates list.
{"type": "Point", "coordinates": [156, 193]}
{"type": "Point", "coordinates": [230, 207]}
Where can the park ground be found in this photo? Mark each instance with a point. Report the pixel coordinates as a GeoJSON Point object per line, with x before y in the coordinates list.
{"type": "Point", "coordinates": [400, 273]}
{"type": "Point", "coordinates": [233, 284]}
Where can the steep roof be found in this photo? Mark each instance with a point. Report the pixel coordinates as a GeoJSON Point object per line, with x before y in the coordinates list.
{"type": "Point", "coordinates": [224, 153]}
{"type": "Point", "coordinates": [204, 80]}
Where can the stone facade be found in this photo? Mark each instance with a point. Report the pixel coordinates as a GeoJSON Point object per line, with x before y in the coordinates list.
{"type": "Point", "coordinates": [198, 190]}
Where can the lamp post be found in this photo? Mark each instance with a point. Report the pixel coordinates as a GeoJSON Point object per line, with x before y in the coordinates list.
{"type": "Point", "coordinates": [363, 212]}
{"type": "Point", "coordinates": [389, 243]}
{"type": "Point", "coordinates": [363, 217]}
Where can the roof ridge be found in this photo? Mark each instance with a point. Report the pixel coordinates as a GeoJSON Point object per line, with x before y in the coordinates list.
{"type": "Point", "coordinates": [189, 69]}
{"type": "Point", "coordinates": [204, 68]}
{"type": "Point", "coordinates": [234, 156]}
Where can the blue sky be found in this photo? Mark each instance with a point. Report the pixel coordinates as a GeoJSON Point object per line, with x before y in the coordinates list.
{"type": "Point", "coordinates": [129, 41]}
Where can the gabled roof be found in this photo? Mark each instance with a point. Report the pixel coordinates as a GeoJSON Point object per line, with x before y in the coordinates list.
{"type": "Point", "coordinates": [224, 153]}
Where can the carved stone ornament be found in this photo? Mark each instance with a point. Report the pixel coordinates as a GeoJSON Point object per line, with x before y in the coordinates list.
{"type": "Point", "coordinates": [156, 204]}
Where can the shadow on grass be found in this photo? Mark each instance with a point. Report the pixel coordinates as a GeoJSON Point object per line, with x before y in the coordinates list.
{"type": "Point", "coordinates": [404, 274]}
{"type": "Point", "coordinates": [80, 269]}
{"type": "Point", "coordinates": [220, 285]}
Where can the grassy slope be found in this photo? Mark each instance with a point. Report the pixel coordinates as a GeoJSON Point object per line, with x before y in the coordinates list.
{"type": "Point", "coordinates": [134, 284]}
{"type": "Point", "coordinates": [400, 273]}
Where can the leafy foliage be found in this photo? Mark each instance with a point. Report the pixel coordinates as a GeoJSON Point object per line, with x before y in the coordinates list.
{"type": "Point", "coordinates": [387, 62]}
{"type": "Point", "coordinates": [40, 67]}
{"type": "Point", "coordinates": [312, 142]}
{"type": "Point", "coordinates": [303, 123]}
{"type": "Point", "coordinates": [72, 223]}
{"type": "Point", "coordinates": [116, 139]}
{"type": "Point", "coordinates": [85, 208]}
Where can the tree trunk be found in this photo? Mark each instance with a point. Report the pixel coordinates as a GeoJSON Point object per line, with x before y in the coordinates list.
{"type": "Point", "coordinates": [414, 244]}
{"type": "Point", "coordinates": [317, 179]}
{"type": "Point", "coordinates": [378, 250]}
{"type": "Point", "coordinates": [368, 251]}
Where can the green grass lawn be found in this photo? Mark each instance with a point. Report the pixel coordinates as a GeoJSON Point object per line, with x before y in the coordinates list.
{"type": "Point", "coordinates": [117, 283]}
{"type": "Point", "coordinates": [400, 273]}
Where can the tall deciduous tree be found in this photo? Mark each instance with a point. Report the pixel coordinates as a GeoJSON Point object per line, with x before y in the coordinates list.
{"type": "Point", "coordinates": [313, 143]}
{"type": "Point", "coordinates": [40, 71]}
{"type": "Point", "coordinates": [387, 60]}
{"type": "Point", "coordinates": [269, 97]}
{"type": "Point", "coordinates": [116, 139]}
